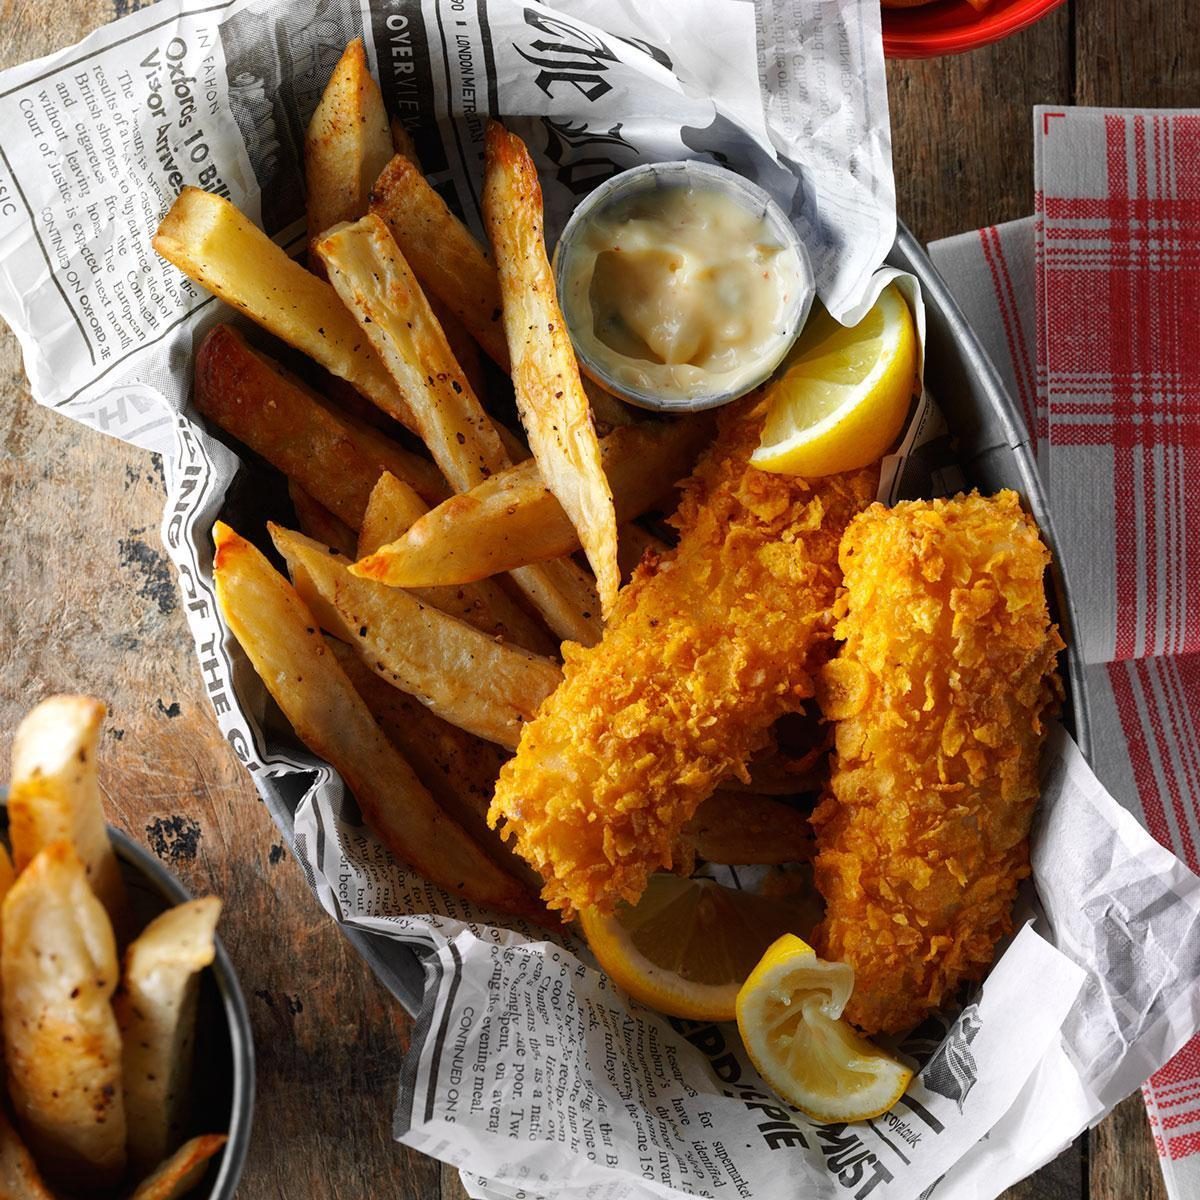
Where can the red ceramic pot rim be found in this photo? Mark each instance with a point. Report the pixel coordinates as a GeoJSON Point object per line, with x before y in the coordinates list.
{"type": "Point", "coordinates": [952, 26]}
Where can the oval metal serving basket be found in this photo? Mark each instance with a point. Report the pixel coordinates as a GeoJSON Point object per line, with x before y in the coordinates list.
{"type": "Point", "coordinates": [994, 452]}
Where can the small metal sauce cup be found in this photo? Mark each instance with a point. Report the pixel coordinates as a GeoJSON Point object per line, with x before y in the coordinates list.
{"type": "Point", "coordinates": [223, 1079]}
{"type": "Point", "coordinates": [653, 177]}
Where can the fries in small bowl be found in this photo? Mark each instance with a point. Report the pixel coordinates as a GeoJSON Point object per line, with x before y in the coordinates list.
{"type": "Point", "coordinates": [112, 978]}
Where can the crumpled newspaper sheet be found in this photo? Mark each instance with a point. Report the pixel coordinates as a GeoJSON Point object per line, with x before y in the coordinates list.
{"type": "Point", "coordinates": [534, 1073]}
{"type": "Point", "coordinates": [528, 1069]}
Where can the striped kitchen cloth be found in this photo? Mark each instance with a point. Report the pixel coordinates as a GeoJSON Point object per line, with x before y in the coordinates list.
{"type": "Point", "coordinates": [1090, 310]}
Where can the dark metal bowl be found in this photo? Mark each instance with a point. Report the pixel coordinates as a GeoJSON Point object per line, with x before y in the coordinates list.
{"type": "Point", "coordinates": [224, 1072]}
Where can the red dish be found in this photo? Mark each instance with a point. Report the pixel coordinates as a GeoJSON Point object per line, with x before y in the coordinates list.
{"type": "Point", "coordinates": [952, 26]}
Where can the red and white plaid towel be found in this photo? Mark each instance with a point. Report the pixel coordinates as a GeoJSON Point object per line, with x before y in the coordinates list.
{"type": "Point", "coordinates": [1091, 312]}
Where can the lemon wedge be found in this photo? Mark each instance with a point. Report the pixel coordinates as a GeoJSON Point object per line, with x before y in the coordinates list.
{"type": "Point", "coordinates": [843, 394]}
{"type": "Point", "coordinates": [789, 1015]}
{"type": "Point", "coordinates": [688, 945]}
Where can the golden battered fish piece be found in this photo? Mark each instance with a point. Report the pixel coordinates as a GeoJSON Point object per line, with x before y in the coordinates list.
{"type": "Point", "coordinates": [940, 693]}
{"type": "Point", "coordinates": [705, 648]}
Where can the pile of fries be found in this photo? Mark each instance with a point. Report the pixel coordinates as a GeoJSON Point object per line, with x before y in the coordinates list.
{"type": "Point", "coordinates": [434, 573]}
{"type": "Point", "coordinates": [98, 1057]}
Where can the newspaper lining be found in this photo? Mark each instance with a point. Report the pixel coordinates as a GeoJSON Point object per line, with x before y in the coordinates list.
{"type": "Point", "coordinates": [528, 1070]}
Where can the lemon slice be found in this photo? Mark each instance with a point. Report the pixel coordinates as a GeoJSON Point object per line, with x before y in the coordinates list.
{"type": "Point", "coordinates": [843, 394]}
{"type": "Point", "coordinates": [789, 1015]}
{"type": "Point", "coordinates": [687, 946]}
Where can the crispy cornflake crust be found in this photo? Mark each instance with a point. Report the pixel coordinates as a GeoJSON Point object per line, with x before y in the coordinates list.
{"type": "Point", "coordinates": [705, 649]}
{"type": "Point", "coordinates": [941, 693]}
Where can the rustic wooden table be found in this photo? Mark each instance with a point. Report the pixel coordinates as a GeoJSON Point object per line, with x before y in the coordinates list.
{"type": "Point", "coordinates": [89, 604]}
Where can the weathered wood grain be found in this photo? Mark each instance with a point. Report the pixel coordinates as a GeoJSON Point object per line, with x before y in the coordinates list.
{"type": "Point", "coordinates": [961, 128]}
{"type": "Point", "coordinates": [452, 1186]}
{"type": "Point", "coordinates": [1138, 53]}
{"type": "Point", "coordinates": [1121, 1159]}
{"type": "Point", "coordinates": [1065, 1178]}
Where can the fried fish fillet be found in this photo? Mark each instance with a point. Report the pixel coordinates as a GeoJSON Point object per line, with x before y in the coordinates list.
{"type": "Point", "coordinates": [706, 647]}
{"type": "Point", "coordinates": [941, 693]}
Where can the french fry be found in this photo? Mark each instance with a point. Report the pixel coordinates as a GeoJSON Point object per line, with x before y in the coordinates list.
{"type": "Point", "coordinates": [327, 617]}
{"type": "Point", "coordinates": [462, 343]}
{"type": "Point", "coordinates": [317, 522]}
{"type": "Point", "coordinates": [453, 268]}
{"type": "Point", "coordinates": [156, 1013]}
{"type": "Point", "coordinates": [173, 1179]}
{"type": "Point", "coordinates": [347, 401]}
{"type": "Point", "coordinates": [392, 509]}
{"type": "Point", "coordinates": [54, 794]}
{"type": "Point", "coordinates": [565, 597]}
{"type": "Point", "coordinates": [402, 142]}
{"type": "Point", "coordinates": [58, 968]}
{"type": "Point", "coordinates": [211, 242]}
{"type": "Point", "coordinates": [466, 677]}
{"type": "Point", "coordinates": [19, 1176]}
{"type": "Point", "coordinates": [464, 348]}
{"type": "Point", "coordinates": [511, 519]}
{"type": "Point", "coordinates": [335, 459]}
{"type": "Point", "coordinates": [280, 637]}
{"type": "Point", "coordinates": [449, 262]}
{"type": "Point", "coordinates": [347, 144]}
{"type": "Point", "coordinates": [377, 285]}
{"type": "Point", "coordinates": [458, 768]}
{"type": "Point", "coordinates": [393, 506]}
{"type": "Point", "coordinates": [550, 396]}
{"type": "Point", "coordinates": [7, 874]}
{"type": "Point", "coordinates": [746, 829]}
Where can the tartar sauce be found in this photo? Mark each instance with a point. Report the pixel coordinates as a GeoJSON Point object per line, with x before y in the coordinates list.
{"type": "Point", "coordinates": [680, 292]}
